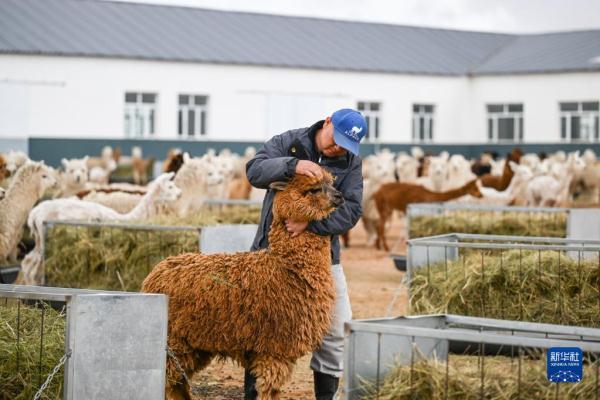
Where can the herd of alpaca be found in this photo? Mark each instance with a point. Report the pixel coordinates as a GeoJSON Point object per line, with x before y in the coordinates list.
{"type": "Point", "coordinates": [263, 309]}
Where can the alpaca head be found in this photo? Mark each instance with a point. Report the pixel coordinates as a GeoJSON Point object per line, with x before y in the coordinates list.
{"type": "Point", "coordinates": [209, 169]}
{"type": "Point", "coordinates": [76, 171]}
{"type": "Point", "coordinates": [15, 160]}
{"type": "Point", "coordinates": [472, 188]}
{"type": "Point", "coordinates": [306, 198]}
{"type": "Point", "coordinates": [163, 189]}
{"type": "Point", "coordinates": [37, 174]}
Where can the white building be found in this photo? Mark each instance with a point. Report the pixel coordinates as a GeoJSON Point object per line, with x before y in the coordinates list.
{"type": "Point", "coordinates": [96, 69]}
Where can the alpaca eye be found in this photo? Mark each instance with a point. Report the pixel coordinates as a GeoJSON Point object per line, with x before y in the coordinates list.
{"type": "Point", "coordinates": [313, 191]}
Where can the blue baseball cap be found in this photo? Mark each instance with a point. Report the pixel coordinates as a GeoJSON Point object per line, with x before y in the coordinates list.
{"type": "Point", "coordinates": [349, 127]}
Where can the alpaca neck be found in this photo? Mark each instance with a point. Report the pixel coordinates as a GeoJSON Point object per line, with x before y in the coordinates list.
{"type": "Point", "coordinates": [22, 194]}
{"type": "Point", "coordinates": [305, 250]}
{"type": "Point", "coordinates": [451, 194]}
{"type": "Point", "coordinates": [142, 210]}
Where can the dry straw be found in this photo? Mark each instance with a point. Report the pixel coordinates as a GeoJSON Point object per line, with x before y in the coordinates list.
{"type": "Point", "coordinates": [535, 286]}
{"type": "Point", "coordinates": [461, 378]}
{"type": "Point", "coordinates": [120, 258]}
{"type": "Point", "coordinates": [23, 382]}
{"type": "Point", "coordinates": [490, 223]}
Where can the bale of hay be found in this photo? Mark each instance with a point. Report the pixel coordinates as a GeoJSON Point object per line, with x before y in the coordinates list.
{"type": "Point", "coordinates": [23, 382]}
{"type": "Point", "coordinates": [535, 286]}
{"type": "Point", "coordinates": [490, 223]}
{"type": "Point", "coordinates": [120, 258]}
{"type": "Point", "coordinates": [461, 378]}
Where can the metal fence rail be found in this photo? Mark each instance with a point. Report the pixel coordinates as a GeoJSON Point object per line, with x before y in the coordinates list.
{"type": "Point", "coordinates": [496, 276]}
{"type": "Point", "coordinates": [384, 356]}
{"type": "Point", "coordinates": [112, 344]}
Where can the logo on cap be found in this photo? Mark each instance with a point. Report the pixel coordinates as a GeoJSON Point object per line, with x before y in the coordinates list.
{"type": "Point", "coordinates": [353, 133]}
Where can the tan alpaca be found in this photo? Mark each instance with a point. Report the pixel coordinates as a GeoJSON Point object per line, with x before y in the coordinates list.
{"type": "Point", "coordinates": [397, 196]}
{"type": "Point", "coordinates": [264, 309]}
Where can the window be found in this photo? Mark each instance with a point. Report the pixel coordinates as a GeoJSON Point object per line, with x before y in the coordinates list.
{"type": "Point", "coordinates": [505, 122]}
{"type": "Point", "coordinates": [579, 121]}
{"type": "Point", "coordinates": [140, 114]}
{"type": "Point", "coordinates": [371, 114]}
{"type": "Point", "coordinates": [191, 116]}
{"type": "Point", "coordinates": [422, 125]}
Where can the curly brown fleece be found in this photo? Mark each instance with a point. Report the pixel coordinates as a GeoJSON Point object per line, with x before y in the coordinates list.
{"type": "Point", "coordinates": [264, 309]}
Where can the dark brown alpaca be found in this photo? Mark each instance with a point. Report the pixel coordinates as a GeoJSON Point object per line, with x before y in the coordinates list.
{"type": "Point", "coordinates": [500, 183]}
{"type": "Point", "coordinates": [264, 309]}
{"type": "Point", "coordinates": [397, 196]}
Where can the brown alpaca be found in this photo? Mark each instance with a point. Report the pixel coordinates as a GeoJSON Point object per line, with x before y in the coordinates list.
{"type": "Point", "coordinates": [397, 196]}
{"type": "Point", "coordinates": [240, 188]}
{"type": "Point", "coordinates": [3, 171]}
{"type": "Point", "coordinates": [500, 183]}
{"type": "Point", "coordinates": [263, 309]}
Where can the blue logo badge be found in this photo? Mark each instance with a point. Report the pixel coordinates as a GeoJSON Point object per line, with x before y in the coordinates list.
{"type": "Point", "coordinates": [565, 364]}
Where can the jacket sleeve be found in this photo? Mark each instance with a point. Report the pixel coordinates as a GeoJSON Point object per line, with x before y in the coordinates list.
{"type": "Point", "coordinates": [271, 164]}
{"type": "Point", "coordinates": [348, 214]}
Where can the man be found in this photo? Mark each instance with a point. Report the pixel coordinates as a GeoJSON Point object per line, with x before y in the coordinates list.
{"type": "Point", "coordinates": [332, 143]}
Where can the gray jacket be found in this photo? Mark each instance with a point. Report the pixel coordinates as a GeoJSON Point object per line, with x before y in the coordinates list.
{"type": "Point", "coordinates": [277, 160]}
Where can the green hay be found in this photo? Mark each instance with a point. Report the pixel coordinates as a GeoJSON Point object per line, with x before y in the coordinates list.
{"type": "Point", "coordinates": [490, 223]}
{"type": "Point", "coordinates": [427, 380]}
{"type": "Point", "coordinates": [526, 286]}
{"type": "Point", "coordinates": [120, 259]}
{"type": "Point", "coordinates": [24, 383]}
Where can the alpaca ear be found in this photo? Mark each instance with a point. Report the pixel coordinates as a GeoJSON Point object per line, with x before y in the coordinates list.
{"type": "Point", "coordinates": [278, 185]}
{"type": "Point", "coordinates": [86, 158]}
{"type": "Point", "coordinates": [186, 157]}
{"type": "Point", "coordinates": [64, 162]}
{"type": "Point", "coordinates": [513, 165]}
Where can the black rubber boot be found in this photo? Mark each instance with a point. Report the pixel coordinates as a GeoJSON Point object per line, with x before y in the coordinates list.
{"type": "Point", "coordinates": [250, 392]}
{"type": "Point", "coordinates": [326, 386]}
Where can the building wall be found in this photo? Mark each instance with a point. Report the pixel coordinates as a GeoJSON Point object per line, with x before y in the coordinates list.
{"type": "Point", "coordinates": [42, 96]}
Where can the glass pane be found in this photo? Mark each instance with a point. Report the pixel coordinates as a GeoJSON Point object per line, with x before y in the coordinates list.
{"type": "Point", "coordinates": [421, 128]}
{"type": "Point", "coordinates": [521, 133]}
{"type": "Point", "coordinates": [568, 106]}
{"type": "Point", "coordinates": [587, 127]}
{"type": "Point", "coordinates": [376, 128]}
{"type": "Point", "coordinates": [490, 129]}
{"type": "Point", "coordinates": [361, 106]}
{"type": "Point", "coordinates": [596, 135]}
{"type": "Point", "coordinates": [430, 129]}
{"type": "Point", "coordinates": [563, 127]}
{"type": "Point", "coordinates": [130, 97]}
{"type": "Point", "coordinates": [202, 123]}
{"type": "Point", "coordinates": [184, 99]}
{"type": "Point", "coordinates": [200, 100]}
{"type": "Point", "coordinates": [590, 106]}
{"type": "Point", "coordinates": [127, 123]}
{"type": "Point", "coordinates": [374, 106]}
{"type": "Point", "coordinates": [515, 107]}
{"type": "Point", "coordinates": [148, 98]}
{"type": "Point", "coordinates": [415, 108]}
{"type": "Point", "coordinates": [191, 121]}
{"type": "Point", "coordinates": [180, 122]}
{"type": "Point", "coordinates": [139, 123]}
{"type": "Point", "coordinates": [575, 127]}
{"type": "Point", "coordinates": [429, 109]}
{"type": "Point", "coordinates": [506, 128]}
{"type": "Point", "coordinates": [495, 108]}
{"type": "Point", "coordinates": [151, 123]}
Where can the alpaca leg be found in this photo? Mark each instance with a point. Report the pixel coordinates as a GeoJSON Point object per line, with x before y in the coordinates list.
{"type": "Point", "coordinates": [271, 374]}
{"type": "Point", "coordinates": [190, 361]}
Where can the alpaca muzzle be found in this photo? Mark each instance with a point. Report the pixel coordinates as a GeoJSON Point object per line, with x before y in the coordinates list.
{"type": "Point", "coordinates": [337, 199]}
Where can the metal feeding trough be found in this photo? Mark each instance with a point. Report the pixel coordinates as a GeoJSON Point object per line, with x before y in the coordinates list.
{"type": "Point", "coordinates": [9, 273]}
{"type": "Point", "coordinates": [399, 261]}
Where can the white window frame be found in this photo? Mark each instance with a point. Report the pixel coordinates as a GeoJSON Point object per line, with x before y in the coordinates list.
{"type": "Point", "coordinates": [139, 119]}
{"type": "Point", "coordinates": [519, 122]}
{"type": "Point", "coordinates": [198, 110]}
{"type": "Point", "coordinates": [372, 117]}
{"type": "Point", "coordinates": [429, 120]}
{"type": "Point", "coordinates": [592, 117]}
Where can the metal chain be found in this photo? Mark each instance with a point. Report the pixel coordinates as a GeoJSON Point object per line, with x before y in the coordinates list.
{"type": "Point", "coordinates": [180, 369]}
{"type": "Point", "coordinates": [62, 360]}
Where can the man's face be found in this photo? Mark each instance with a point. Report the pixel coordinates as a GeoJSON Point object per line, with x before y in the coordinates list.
{"type": "Point", "coordinates": [326, 143]}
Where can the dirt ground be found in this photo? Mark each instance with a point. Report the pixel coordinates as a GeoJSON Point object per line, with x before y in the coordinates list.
{"type": "Point", "coordinates": [373, 283]}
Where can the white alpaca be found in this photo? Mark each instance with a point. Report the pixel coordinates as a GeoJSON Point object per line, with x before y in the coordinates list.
{"type": "Point", "coordinates": [74, 177]}
{"type": "Point", "coordinates": [548, 190]}
{"type": "Point", "coordinates": [407, 168]}
{"type": "Point", "coordinates": [15, 160]}
{"type": "Point", "coordinates": [161, 190]}
{"type": "Point", "coordinates": [381, 169]}
{"type": "Point", "coordinates": [26, 188]}
{"type": "Point", "coordinates": [101, 167]}
{"type": "Point", "coordinates": [459, 172]}
{"type": "Point", "coordinates": [515, 190]}
{"type": "Point", "coordinates": [437, 175]}
{"type": "Point", "coordinates": [2, 193]}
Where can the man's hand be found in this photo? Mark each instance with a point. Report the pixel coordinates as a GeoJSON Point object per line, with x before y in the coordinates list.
{"type": "Point", "coordinates": [295, 227]}
{"type": "Point", "coordinates": [309, 168]}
